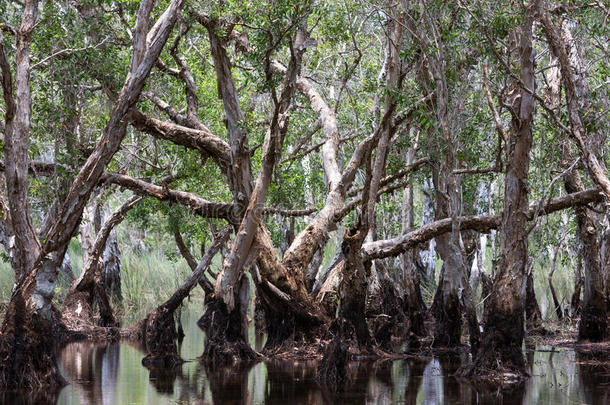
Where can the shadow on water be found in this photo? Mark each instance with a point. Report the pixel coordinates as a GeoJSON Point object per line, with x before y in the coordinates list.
{"type": "Point", "coordinates": [113, 374]}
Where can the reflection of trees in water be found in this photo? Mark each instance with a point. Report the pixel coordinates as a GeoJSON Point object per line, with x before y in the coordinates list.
{"type": "Point", "coordinates": [454, 391]}
{"type": "Point", "coordinates": [433, 384]}
{"type": "Point", "coordinates": [439, 385]}
{"type": "Point", "coordinates": [293, 382]}
{"type": "Point", "coordinates": [379, 386]}
{"type": "Point", "coordinates": [93, 369]}
{"type": "Point", "coordinates": [594, 377]}
{"type": "Point", "coordinates": [229, 385]}
{"type": "Point", "coordinates": [415, 371]}
{"type": "Point", "coordinates": [27, 398]}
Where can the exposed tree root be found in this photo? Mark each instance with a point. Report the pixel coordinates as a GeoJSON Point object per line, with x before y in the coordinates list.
{"type": "Point", "coordinates": [593, 321]}
{"type": "Point", "coordinates": [77, 315]}
{"type": "Point", "coordinates": [27, 350]}
{"type": "Point", "coordinates": [291, 332]}
{"type": "Point", "coordinates": [227, 342]}
{"type": "Point", "coordinates": [157, 331]}
{"type": "Point", "coordinates": [387, 320]}
{"type": "Point", "coordinates": [158, 334]}
{"type": "Point", "coordinates": [332, 370]}
{"type": "Point", "coordinates": [449, 321]}
{"type": "Point", "coordinates": [500, 358]}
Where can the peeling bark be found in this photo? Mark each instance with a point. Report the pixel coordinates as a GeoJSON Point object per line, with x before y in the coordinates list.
{"type": "Point", "coordinates": [500, 349]}
{"type": "Point", "coordinates": [578, 133]}
{"type": "Point", "coordinates": [593, 323]}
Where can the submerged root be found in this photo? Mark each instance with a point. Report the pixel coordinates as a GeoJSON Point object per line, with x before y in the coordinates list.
{"type": "Point", "coordinates": [230, 353]}
{"type": "Point", "coordinates": [388, 322]}
{"type": "Point", "coordinates": [499, 359]}
{"type": "Point", "coordinates": [593, 323]}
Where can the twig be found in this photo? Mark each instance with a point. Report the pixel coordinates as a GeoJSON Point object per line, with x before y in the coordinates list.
{"type": "Point", "coordinates": [68, 51]}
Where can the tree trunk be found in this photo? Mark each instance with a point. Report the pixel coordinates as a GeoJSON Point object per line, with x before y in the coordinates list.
{"type": "Point", "coordinates": [32, 324]}
{"type": "Point", "coordinates": [426, 258]}
{"type": "Point", "coordinates": [575, 90]}
{"type": "Point", "coordinates": [412, 304]}
{"type": "Point", "coordinates": [500, 349]}
{"type": "Point", "coordinates": [111, 263]}
{"type": "Point", "coordinates": [593, 322]}
{"type": "Point", "coordinates": [533, 316]}
{"type": "Point", "coordinates": [556, 303]}
{"type": "Point", "coordinates": [605, 259]}
{"type": "Point", "coordinates": [575, 303]}
{"type": "Point", "coordinates": [227, 331]}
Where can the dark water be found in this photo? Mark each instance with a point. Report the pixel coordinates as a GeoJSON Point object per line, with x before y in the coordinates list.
{"type": "Point", "coordinates": [113, 374]}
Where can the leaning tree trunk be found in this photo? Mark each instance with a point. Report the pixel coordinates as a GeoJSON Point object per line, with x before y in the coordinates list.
{"type": "Point", "coordinates": [500, 348]}
{"type": "Point", "coordinates": [593, 321]}
{"type": "Point", "coordinates": [27, 337]}
{"type": "Point", "coordinates": [157, 331]}
{"type": "Point", "coordinates": [89, 289]}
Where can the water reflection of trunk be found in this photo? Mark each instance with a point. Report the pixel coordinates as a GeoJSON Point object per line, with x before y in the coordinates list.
{"type": "Point", "coordinates": [294, 383]}
{"type": "Point", "coordinates": [530, 353]}
{"type": "Point", "coordinates": [594, 377]}
{"type": "Point", "coordinates": [229, 385]}
{"type": "Point", "coordinates": [94, 369]}
{"type": "Point", "coordinates": [163, 378]}
{"type": "Point", "coordinates": [379, 386]}
{"type": "Point", "coordinates": [37, 397]}
{"type": "Point", "coordinates": [433, 387]}
{"type": "Point", "coordinates": [454, 391]}
{"type": "Point", "coordinates": [415, 369]}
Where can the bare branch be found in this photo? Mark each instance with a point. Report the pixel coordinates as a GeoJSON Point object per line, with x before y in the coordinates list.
{"type": "Point", "coordinates": [200, 206]}
{"type": "Point", "coordinates": [481, 223]}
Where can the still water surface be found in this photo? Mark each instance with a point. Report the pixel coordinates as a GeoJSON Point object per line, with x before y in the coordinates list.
{"type": "Point", "coordinates": [113, 374]}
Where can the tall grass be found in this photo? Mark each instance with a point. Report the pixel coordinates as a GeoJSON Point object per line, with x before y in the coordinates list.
{"type": "Point", "coordinates": [149, 279]}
